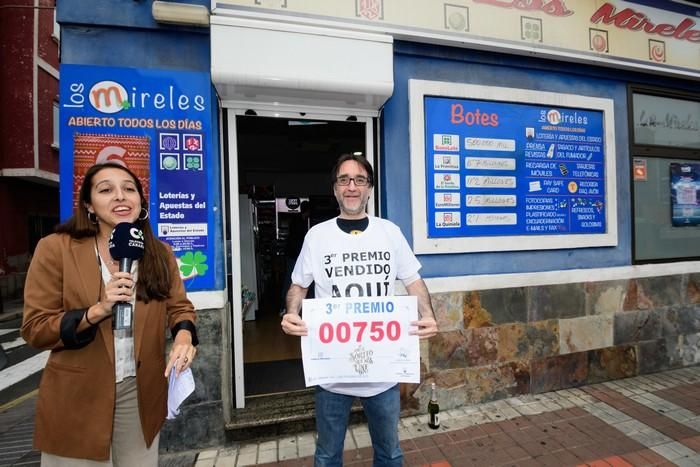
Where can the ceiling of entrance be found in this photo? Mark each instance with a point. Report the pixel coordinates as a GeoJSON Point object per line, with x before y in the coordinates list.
{"type": "Point", "coordinates": [283, 145]}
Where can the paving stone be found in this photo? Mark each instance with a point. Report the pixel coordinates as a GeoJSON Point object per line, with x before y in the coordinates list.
{"type": "Point", "coordinates": [247, 459]}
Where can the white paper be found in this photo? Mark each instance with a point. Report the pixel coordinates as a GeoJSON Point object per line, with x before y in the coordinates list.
{"type": "Point", "coordinates": [363, 339]}
{"type": "Point", "coordinates": [179, 387]}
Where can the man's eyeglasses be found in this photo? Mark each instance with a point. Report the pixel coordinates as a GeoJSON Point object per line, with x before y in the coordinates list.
{"type": "Point", "coordinates": [344, 180]}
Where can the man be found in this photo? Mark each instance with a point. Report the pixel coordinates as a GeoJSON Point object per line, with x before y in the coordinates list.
{"type": "Point", "coordinates": [354, 238]}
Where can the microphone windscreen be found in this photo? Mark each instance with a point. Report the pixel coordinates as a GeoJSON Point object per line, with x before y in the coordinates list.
{"type": "Point", "coordinates": [126, 241]}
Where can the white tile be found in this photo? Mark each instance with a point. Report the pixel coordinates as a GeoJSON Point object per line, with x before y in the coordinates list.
{"type": "Point", "coordinates": [225, 461]}
{"type": "Point", "coordinates": [268, 446]}
{"type": "Point", "coordinates": [286, 442]}
{"type": "Point", "coordinates": [267, 456]}
{"type": "Point", "coordinates": [210, 454]}
{"type": "Point", "coordinates": [306, 450]}
{"type": "Point", "coordinates": [305, 439]}
{"type": "Point", "coordinates": [248, 448]}
{"type": "Point", "coordinates": [250, 458]}
{"type": "Point", "coordinates": [362, 440]}
{"type": "Point", "coordinates": [287, 452]}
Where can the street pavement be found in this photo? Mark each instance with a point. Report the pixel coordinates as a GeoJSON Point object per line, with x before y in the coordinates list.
{"type": "Point", "coordinates": [651, 420]}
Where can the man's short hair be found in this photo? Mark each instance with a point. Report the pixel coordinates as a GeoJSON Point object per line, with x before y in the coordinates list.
{"type": "Point", "coordinates": [362, 160]}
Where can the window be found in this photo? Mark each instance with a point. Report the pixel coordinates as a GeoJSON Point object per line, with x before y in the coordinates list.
{"type": "Point", "coordinates": [665, 162]}
{"type": "Point", "coordinates": [56, 33]}
{"type": "Point", "coordinates": [56, 126]}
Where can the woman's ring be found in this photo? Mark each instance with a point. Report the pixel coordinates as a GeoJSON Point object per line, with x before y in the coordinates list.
{"type": "Point", "coordinates": [186, 359]}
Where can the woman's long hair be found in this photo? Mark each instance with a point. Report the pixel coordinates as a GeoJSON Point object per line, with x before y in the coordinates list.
{"type": "Point", "coordinates": [154, 280]}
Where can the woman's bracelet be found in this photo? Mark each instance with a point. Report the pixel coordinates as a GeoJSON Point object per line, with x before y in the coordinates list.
{"type": "Point", "coordinates": [88, 319]}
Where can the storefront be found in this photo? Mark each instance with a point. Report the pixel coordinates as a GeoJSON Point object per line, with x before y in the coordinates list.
{"type": "Point", "coordinates": [542, 158]}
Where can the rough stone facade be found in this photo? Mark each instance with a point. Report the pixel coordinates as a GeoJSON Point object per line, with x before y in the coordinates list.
{"type": "Point", "coordinates": [200, 423]}
{"type": "Point", "coordinates": [498, 343]}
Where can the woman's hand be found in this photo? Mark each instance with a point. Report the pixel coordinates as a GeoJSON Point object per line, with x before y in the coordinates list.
{"type": "Point", "coordinates": [181, 354]}
{"type": "Point", "coordinates": [119, 288]}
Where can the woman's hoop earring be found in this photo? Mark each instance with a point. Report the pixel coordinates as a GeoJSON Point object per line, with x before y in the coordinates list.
{"type": "Point", "coordinates": [92, 217]}
{"type": "Point", "coordinates": [144, 214]}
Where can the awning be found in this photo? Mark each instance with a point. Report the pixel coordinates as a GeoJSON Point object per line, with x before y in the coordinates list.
{"type": "Point", "coordinates": [291, 64]}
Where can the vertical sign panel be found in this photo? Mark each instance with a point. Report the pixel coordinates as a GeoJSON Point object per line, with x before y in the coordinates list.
{"type": "Point", "coordinates": [158, 124]}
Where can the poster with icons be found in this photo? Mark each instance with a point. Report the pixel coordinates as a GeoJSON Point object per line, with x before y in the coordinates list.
{"type": "Point", "coordinates": [513, 169]}
{"type": "Point", "coordinates": [685, 191]}
{"type": "Point", "coordinates": [157, 123]}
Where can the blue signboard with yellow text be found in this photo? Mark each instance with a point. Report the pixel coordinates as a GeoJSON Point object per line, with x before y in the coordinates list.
{"type": "Point", "coordinates": [158, 124]}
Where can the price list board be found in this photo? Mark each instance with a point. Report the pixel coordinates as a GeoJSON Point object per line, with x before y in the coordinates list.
{"type": "Point", "coordinates": [513, 169]}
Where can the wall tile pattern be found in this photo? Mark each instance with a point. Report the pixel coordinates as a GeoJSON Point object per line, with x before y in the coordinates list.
{"type": "Point", "coordinates": [499, 343]}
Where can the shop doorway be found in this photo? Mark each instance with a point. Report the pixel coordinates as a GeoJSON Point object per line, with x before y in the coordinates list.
{"type": "Point", "coordinates": [284, 187]}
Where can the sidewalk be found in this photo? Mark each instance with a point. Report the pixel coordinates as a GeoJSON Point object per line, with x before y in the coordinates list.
{"type": "Point", "coordinates": [651, 420]}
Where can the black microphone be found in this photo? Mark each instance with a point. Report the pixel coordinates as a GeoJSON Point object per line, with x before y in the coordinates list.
{"type": "Point", "coordinates": [125, 245]}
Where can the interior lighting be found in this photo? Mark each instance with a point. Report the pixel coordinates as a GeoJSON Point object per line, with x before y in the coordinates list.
{"type": "Point", "coordinates": [180, 13]}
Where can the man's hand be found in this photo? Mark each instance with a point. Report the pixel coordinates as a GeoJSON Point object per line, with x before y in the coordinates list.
{"type": "Point", "coordinates": [426, 327]}
{"type": "Point", "coordinates": [293, 325]}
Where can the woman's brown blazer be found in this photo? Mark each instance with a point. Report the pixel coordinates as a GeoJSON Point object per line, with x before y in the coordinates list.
{"type": "Point", "coordinates": [77, 391]}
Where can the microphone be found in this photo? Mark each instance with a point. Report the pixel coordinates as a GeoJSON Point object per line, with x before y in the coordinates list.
{"type": "Point", "coordinates": [125, 245]}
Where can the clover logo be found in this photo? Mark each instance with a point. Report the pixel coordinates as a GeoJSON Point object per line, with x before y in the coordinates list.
{"type": "Point", "coordinates": [196, 261]}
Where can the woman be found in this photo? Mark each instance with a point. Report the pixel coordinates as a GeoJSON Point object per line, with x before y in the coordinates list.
{"type": "Point", "coordinates": [90, 408]}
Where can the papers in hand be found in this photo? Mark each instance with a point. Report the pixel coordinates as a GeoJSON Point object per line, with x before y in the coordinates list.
{"type": "Point", "coordinates": [179, 387]}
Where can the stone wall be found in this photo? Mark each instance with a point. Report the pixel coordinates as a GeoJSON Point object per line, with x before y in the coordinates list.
{"type": "Point", "coordinates": [497, 343]}
{"type": "Point", "coordinates": [200, 423]}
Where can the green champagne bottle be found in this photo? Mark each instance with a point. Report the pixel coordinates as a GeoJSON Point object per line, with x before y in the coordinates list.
{"type": "Point", "coordinates": [433, 409]}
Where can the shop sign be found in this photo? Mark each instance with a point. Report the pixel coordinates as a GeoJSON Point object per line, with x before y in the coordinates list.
{"type": "Point", "coordinates": [613, 31]}
{"type": "Point", "coordinates": [531, 170]}
{"type": "Point", "coordinates": [158, 124]}
{"type": "Point", "coordinates": [527, 169]}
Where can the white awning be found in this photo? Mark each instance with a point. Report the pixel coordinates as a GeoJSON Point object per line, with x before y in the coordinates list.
{"type": "Point", "coordinates": [290, 64]}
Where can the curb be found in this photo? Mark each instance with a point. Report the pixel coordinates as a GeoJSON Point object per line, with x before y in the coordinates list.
{"type": "Point", "coordinates": [10, 316]}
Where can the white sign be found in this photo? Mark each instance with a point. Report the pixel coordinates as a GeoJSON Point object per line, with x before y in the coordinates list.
{"type": "Point", "coordinates": [445, 142]}
{"type": "Point", "coordinates": [446, 161]}
{"type": "Point", "coordinates": [446, 181]}
{"type": "Point", "coordinates": [360, 339]}
{"type": "Point", "coordinates": [489, 144]}
{"type": "Point", "coordinates": [447, 200]}
{"type": "Point", "coordinates": [489, 163]}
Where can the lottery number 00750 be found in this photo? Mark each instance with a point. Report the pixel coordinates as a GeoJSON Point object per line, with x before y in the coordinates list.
{"type": "Point", "coordinates": [343, 331]}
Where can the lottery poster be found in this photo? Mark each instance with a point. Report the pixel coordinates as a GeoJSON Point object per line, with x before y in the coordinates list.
{"type": "Point", "coordinates": [157, 123]}
{"type": "Point", "coordinates": [685, 188]}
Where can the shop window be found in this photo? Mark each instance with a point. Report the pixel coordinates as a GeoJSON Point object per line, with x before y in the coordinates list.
{"type": "Point", "coordinates": [665, 163]}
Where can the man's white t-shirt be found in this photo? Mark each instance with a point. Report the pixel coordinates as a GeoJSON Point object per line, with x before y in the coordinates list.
{"type": "Point", "coordinates": [355, 265]}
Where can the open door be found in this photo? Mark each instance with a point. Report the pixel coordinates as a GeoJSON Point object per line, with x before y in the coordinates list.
{"type": "Point", "coordinates": [279, 166]}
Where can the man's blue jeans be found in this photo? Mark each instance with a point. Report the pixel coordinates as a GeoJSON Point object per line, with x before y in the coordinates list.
{"type": "Point", "coordinates": [382, 412]}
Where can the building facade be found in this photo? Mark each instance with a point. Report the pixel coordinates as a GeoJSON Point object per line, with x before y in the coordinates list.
{"type": "Point", "coordinates": [29, 158]}
{"type": "Point", "coordinates": [542, 158]}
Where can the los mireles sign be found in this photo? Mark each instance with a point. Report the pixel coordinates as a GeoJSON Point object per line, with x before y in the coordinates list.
{"type": "Point", "coordinates": [630, 34]}
{"type": "Point", "coordinates": [158, 124]}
